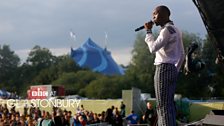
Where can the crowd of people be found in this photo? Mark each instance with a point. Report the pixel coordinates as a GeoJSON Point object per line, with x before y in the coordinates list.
{"type": "Point", "coordinates": [33, 116]}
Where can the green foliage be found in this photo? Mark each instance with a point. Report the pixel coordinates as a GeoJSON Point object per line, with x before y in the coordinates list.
{"type": "Point", "coordinates": [214, 71]}
{"type": "Point", "coordinates": [188, 38]}
{"type": "Point", "coordinates": [141, 70]}
{"type": "Point", "coordinates": [62, 64]}
{"type": "Point", "coordinates": [40, 58]}
{"type": "Point", "coordinates": [9, 63]}
{"type": "Point", "coordinates": [41, 67]}
{"type": "Point", "coordinates": [188, 85]}
{"type": "Point", "coordinates": [105, 87]}
{"type": "Point", "coordinates": [209, 54]}
{"type": "Point", "coordinates": [65, 64]}
{"type": "Point", "coordinates": [74, 82]}
{"type": "Point", "coordinates": [208, 82]}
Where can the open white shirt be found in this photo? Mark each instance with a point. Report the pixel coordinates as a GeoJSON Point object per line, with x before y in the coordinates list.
{"type": "Point", "coordinates": [168, 46]}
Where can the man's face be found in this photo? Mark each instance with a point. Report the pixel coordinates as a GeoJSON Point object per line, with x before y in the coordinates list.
{"type": "Point", "coordinates": [158, 17]}
{"type": "Point", "coordinates": [149, 105]}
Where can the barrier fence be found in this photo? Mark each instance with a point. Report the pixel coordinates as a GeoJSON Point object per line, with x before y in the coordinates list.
{"type": "Point", "coordinates": [100, 124]}
{"type": "Point", "coordinates": [106, 124]}
{"type": "Point", "coordinates": [138, 125]}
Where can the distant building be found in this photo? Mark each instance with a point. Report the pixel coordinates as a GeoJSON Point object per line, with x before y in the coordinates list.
{"type": "Point", "coordinates": [90, 55]}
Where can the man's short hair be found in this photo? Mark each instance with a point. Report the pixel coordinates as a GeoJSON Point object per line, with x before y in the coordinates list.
{"type": "Point", "coordinates": [165, 9]}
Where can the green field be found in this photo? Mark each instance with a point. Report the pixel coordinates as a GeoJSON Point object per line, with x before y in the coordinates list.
{"type": "Point", "coordinates": [96, 106]}
{"type": "Point", "coordinates": [198, 110]}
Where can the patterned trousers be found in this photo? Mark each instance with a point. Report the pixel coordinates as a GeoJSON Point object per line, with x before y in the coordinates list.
{"type": "Point", "coordinates": [165, 83]}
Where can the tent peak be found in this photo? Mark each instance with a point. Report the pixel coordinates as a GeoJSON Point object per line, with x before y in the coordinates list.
{"type": "Point", "coordinates": [89, 39]}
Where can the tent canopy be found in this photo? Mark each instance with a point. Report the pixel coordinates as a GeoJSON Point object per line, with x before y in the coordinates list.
{"type": "Point", "coordinates": [4, 93]}
{"type": "Point", "coordinates": [92, 56]}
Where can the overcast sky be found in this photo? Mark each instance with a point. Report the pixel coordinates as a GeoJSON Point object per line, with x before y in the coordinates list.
{"type": "Point", "coordinates": [47, 23]}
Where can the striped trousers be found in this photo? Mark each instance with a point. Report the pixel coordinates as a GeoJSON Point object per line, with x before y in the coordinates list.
{"type": "Point", "coordinates": [165, 83]}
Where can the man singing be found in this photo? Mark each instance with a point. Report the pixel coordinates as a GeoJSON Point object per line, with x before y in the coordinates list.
{"type": "Point", "coordinates": [169, 56]}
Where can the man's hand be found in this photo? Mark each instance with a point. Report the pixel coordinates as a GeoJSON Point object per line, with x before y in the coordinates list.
{"type": "Point", "coordinates": [148, 25]}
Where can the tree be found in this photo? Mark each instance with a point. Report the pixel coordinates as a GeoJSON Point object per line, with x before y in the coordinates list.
{"type": "Point", "coordinates": [189, 38]}
{"type": "Point", "coordinates": [214, 71]}
{"type": "Point", "coordinates": [141, 69]}
{"type": "Point", "coordinates": [104, 87]}
{"type": "Point", "coordinates": [62, 64]}
{"type": "Point", "coordinates": [74, 82]}
{"type": "Point", "coordinates": [40, 58]}
{"type": "Point", "coordinates": [66, 64]}
{"type": "Point", "coordinates": [9, 63]}
{"type": "Point", "coordinates": [189, 85]}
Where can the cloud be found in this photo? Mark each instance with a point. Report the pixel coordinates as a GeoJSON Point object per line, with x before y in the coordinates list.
{"type": "Point", "coordinates": [122, 55]}
{"type": "Point", "coordinates": [5, 27]}
{"type": "Point", "coordinates": [60, 51]}
{"type": "Point", "coordinates": [23, 54]}
{"type": "Point", "coordinates": [26, 23]}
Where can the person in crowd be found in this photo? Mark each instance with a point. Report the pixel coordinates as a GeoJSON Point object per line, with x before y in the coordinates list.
{"type": "Point", "coordinates": [122, 108]}
{"type": "Point", "coordinates": [82, 108]}
{"type": "Point", "coordinates": [15, 120]}
{"type": "Point", "coordinates": [25, 110]}
{"type": "Point", "coordinates": [65, 112]}
{"type": "Point", "coordinates": [46, 121]}
{"type": "Point", "coordinates": [102, 116]}
{"type": "Point", "coordinates": [149, 114]}
{"type": "Point", "coordinates": [43, 113]}
{"type": "Point", "coordinates": [5, 109]}
{"type": "Point", "coordinates": [109, 118]}
{"type": "Point", "coordinates": [23, 120]}
{"type": "Point", "coordinates": [82, 121]}
{"type": "Point", "coordinates": [70, 118]}
{"type": "Point", "coordinates": [6, 120]}
{"type": "Point", "coordinates": [118, 120]}
{"type": "Point", "coordinates": [95, 119]}
{"type": "Point", "coordinates": [132, 118]}
{"type": "Point", "coordinates": [30, 121]}
{"type": "Point", "coordinates": [1, 120]}
{"type": "Point", "coordinates": [89, 116]}
{"type": "Point", "coordinates": [59, 119]}
{"type": "Point", "coordinates": [113, 109]}
{"type": "Point", "coordinates": [38, 112]}
{"type": "Point", "coordinates": [76, 120]}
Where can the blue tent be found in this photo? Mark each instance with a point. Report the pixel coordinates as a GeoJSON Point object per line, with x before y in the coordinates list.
{"type": "Point", "coordinates": [92, 56]}
{"type": "Point", "coordinates": [4, 93]}
{"type": "Point", "coordinates": [1, 93]}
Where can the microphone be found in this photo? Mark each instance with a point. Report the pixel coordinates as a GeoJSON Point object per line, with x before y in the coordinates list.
{"type": "Point", "coordinates": [139, 28]}
{"type": "Point", "coordinates": [142, 27]}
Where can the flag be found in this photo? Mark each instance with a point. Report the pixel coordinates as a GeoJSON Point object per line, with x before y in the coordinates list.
{"type": "Point", "coordinates": [72, 34]}
{"type": "Point", "coordinates": [106, 35]}
{"type": "Point", "coordinates": [106, 39]}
